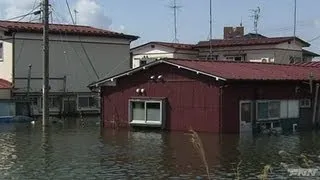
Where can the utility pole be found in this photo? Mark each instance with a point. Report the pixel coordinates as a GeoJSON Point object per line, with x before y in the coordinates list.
{"type": "Point", "coordinates": [45, 90]}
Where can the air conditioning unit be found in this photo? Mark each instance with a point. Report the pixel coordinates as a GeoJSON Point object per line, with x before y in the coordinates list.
{"type": "Point", "coordinates": [265, 60]}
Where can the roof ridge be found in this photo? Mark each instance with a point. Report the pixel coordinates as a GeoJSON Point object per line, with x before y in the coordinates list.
{"type": "Point", "coordinates": [171, 43]}
{"type": "Point", "coordinates": [230, 61]}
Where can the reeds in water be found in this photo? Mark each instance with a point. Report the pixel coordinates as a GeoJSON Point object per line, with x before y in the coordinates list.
{"type": "Point", "coordinates": [197, 144]}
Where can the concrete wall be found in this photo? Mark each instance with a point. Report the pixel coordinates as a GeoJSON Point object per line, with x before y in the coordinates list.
{"type": "Point", "coordinates": [280, 53]}
{"type": "Point", "coordinates": [5, 93]}
{"type": "Point", "coordinates": [67, 58]}
{"type": "Point", "coordinates": [284, 56]}
{"type": "Point", "coordinates": [6, 62]}
{"type": "Point", "coordinates": [259, 91]}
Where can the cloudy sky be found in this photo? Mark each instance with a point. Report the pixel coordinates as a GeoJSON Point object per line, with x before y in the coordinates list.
{"type": "Point", "coordinates": [153, 19]}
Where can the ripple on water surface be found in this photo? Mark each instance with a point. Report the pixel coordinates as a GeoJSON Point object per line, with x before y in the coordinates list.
{"type": "Point", "coordinates": [73, 150]}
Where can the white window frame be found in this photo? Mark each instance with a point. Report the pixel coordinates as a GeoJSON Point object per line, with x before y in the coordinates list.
{"type": "Point", "coordinates": [282, 101]}
{"type": "Point", "coordinates": [267, 119]}
{"type": "Point", "coordinates": [1, 49]}
{"type": "Point", "coordinates": [145, 122]}
{"type": "Point", "coordinates": [305, 103]}
{"type": "Point", "coordinates": [86, 108]}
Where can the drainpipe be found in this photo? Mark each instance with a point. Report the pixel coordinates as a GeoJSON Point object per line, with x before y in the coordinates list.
{"type": "Point", "coordinates": [101, 108]}
{"type": "Point", "coordinates": [13, 58]}
{"type": "Point", "coordinates": [315, 105]}
{"type": "Point", "coordinates": [220, 108]}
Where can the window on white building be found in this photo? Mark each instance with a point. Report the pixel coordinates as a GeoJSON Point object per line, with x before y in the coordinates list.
{"type": "Point", "coordinates": [277, 109]}
{"type": "Point", "coordinates": [87, 102]}
{"type": "Point", "coordinates": [1, 51]}
{"type": "Point", "coordinates": [235, 58]}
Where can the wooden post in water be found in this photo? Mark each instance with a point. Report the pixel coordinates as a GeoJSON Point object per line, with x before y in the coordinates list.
{"type": "Point", "coordinates": [45, 91]}
{"type": "Point", "coordinates": [29, 81]}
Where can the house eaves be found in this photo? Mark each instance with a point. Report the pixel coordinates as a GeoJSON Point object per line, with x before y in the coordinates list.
{"type": "Point", "coordinates": [164, 61]}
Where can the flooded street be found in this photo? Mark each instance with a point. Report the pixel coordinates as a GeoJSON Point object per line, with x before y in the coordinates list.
{"type": "Point", "coordinates": [76, 149]}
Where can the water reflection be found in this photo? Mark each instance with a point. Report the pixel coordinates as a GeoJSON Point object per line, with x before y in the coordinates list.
{"type": "Point", "coordinates": [77, 149]}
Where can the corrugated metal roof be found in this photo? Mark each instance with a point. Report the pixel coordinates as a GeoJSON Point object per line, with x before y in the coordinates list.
{"type": "Point", "coordinates": [309, 64]}
{"type": "Point", "coordinates": [233, 70]}
{"type": "Point", "coordinates": [248, 41]}
{"type": "Point", "coordinates": [168, 44]}
{"type": "Point", "coordinates": [309, 53]}
{"type": "Point", "coordinates": [4, 84]}
{"type": "Point", "coordinates": [13, 26]}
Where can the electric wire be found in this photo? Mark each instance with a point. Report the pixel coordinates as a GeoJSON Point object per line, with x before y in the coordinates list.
{"type": "Point", "coordinates": [82, 46]}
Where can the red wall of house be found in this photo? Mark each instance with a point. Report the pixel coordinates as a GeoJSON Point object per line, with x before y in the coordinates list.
{"type": "Point", "coordinates": [233, 93]}
{"type": "Point", "coordinates": [192, 99]}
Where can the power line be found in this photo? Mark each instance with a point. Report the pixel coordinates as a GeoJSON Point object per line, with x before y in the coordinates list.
{"type": "Point", "coordinates": [24, 15]}
{"type": "Point", "coordinates": [70, 13]}
{"type": "Point", "coordinates": [82, 46]}
{"type": "Point", "coordinates": [70, 46]}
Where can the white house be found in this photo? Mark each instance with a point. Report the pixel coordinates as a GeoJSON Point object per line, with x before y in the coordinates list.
{"type": "Point", "coordinates": [234, 46]}
{"type": "Point", "coordinates": [78, 56]}
{"type": "Point", "coordinates": [156, 50]}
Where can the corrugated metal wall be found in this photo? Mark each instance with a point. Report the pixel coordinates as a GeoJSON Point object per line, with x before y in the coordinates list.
{"type": "Point", "coordinates": [235, 92]}
{"type": "Point", "coordinates": [192, 99]}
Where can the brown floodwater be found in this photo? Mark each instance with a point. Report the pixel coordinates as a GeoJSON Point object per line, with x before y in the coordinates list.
{"type": "Point", "coordinates": [78, 149]}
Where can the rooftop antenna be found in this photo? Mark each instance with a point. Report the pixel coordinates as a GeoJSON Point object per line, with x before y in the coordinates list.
{"type": "Point", "coordinates": [75, 16]}
{"type": "Point", "coordinates": [295, 20]}
{"type": "Point", "coordinates": [210, 36]}
{"type": "Point", "coordinates": [241, 23]}
{"type": "Point", "coordinates": [256, 17]}
{"type": "Point", "coordinates": [175, 8]}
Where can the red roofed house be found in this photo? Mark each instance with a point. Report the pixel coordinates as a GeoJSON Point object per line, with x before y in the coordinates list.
{"type": "Point", "coordinates": [5, 89]}
{"type": "Point", "coordinates": [78, 56]}
{"type": "Point", "coordinates": [234, 46]}
{"type": "Point", "coordinates": [211, 96]}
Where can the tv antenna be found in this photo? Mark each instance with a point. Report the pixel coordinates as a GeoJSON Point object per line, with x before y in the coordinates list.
{"type": "Point", "coordinates": [175, 8]}
{"type": "Point", "coordinates": [209, 56]}
{"type": "Point", "coordinates": [75, 16]}
{"type": "Point", "coordinates": [256, 17]}
{"type": "Point", "coordinates": [295, 20]}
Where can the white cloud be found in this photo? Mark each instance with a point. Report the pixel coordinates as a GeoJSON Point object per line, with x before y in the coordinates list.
{"type": "Point", "coordinates": [12, 8]}
{"type": "Point", "coordinates": [91, 13]}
